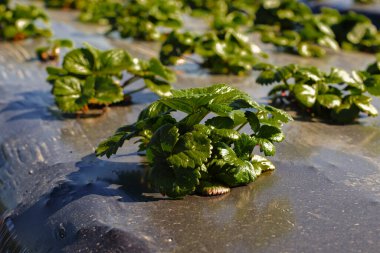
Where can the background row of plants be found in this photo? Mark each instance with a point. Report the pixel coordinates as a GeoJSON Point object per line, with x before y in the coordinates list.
{"type": "Point", "coordinates": [89, 77]}
{"type": "Point", "coordinates": [290, 25]}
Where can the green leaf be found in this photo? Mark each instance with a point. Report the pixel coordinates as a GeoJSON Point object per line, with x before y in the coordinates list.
{"type": "Point", "coordinates": [55, 73]}
{"type": "Point", "coordinates": [220, 122]}
{"type": "Point", "coordinates": [373, 85]}
{"type": "Point", "coordinates": [230, 169]}
{"type": "Point", "coordinates": [271, 133]}
{"type": "Point", "coordinates": [253, 120]}
{"type": "Point", "coordinates": [161, 88]}
{"type": "Point", "coordinates": [107, 91]}
{"type": "Point", "coordinates": [162, 142]}
{"type": "Point", "coordinates": [143, 128]}
{"type": "Point", "coordinates": [340, 76]}
{"type": "Point", "coordinates": [225, 135]}
{"type": "Point", "coordinates": [176, 182]}
{"type": "Point", "coordinates": [309, 50]}
{"type": "Point", "coordinates": [79, 61]}
{"type": "Point", "coordinates": [114, 61]}
{"type": "Point", "coordinates": [263, 66]}
{"type": "Point", "coordinates": [268, 76]}
{"type": "Point", "coordinates": [193, 118]}
{"type": "Point", "coordinates": [305, 94]}
{"type": "Point", "coordinates": [329, 100]}
{"type": "Point", "coordinates": [190, 100]}
{"type": "Point", "coordinates": [266, 146]}
{"type": "Point", "coordinates": [191, 150]}
{"type": "Point", "coordinates": [156, 67]}
{"type": "Point", "coordinates": [278, 115]}
{"type": "Point", "coordinates": [63, 43]}
{"type": "Point", "coordinates": [364, 104]}
{"type": "Point", "coordinates": [70, 94]}
{"type": "Point", "coordinates": [261, 164]}
{"type": "Point", "coordinates": [110, 146]}
{"type": "Point", "coordinates": [155, 109]}
{"type": "Point", "coordinates": [244, 146]}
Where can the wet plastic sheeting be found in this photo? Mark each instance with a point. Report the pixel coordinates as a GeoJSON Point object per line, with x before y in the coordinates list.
{"type": "Point", "coordinates": [58, 197]}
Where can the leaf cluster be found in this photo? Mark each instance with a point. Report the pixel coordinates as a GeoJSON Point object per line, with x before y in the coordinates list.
{"type": "Point", "coordinates": [90, 76]}
{"type": "Point", "coordinates": [101, 11]}
{"type": "Point", "coordinates": [354, 31]}
{"type": "Point", "coordinates": [366, 1]}
{"type": "Point", "coordinates": [337, 95]}
{"type": "Point", "coordinates": [223, 52]}
{"type": "Point", "coordinates": [20, 22]}
{"type": "Point", "coordinates": [52, 50]}
{"type": "Point", "coordinates": [141, 19]}
{"type": "Point", "coordinates": [204, 151]}
{"type": "Point", "coordinates": [66, 4]}
{"type": "Point", "coordinates": [293, 27]}
{"type": "Point", "coordinates": [225, 14]}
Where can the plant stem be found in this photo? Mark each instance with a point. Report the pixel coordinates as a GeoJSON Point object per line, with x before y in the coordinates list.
{"type": "Point", "coordinates": [130, 80]}
{"type": "Point", "coordinates": [137, 90]}
{"type": "Point", "coordinates": [241, 126]}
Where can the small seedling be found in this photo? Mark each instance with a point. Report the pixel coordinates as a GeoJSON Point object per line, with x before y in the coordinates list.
{"type": "Point", "coordinates": [52, 51]}
{"type": "Point", "coordinates": [90, 76]}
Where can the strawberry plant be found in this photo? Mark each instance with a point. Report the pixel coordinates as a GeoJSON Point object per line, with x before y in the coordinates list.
{"type": "Point", "coordinates": [52, 51]}
{"type": "Point", "coordinates": [203, 7]}
{"type": "Point", "coordinates": [93, 77]}
{"type": "Point", "coordinates": [336, 95]}
{"type": "Point", "coordinates": [195, 155]}
{"type": "Point", "coordinates": [140, 19]}
{"type": "Point", "coordinates": [223, 52]}
{"type": "Point", "coordinates": [374, 68]}
{"type": "Point", "coordinates": [20, 22]}
{"type": "Point", "coordinates": [101, 11]}
{"type": "Point", "coordinates": [356, 32]}
{"type": "Point", "coordinates": [232, 14]}
{"type": "Point", "coordinates": [290, 25]}
{"type": "Point", "coordinates": [72, 4]}
{"type": "Point", "coordinates": [365, 1]}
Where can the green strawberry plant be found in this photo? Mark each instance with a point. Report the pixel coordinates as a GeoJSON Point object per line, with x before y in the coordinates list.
{"type": "Point", "coordinates": [205, 151]}
{"type": "Point", "coordinates": [52, 51]}
{"type": "Point", "coordinates": [141, 19]}
{"type": "Point", "coordinates": [89, 76]}
{"type": "Point", "coordinates": [66, 4]}
{"type": "Point", "coordinates": [101, 11]}
{"type": "Point", "coordinates": [20, 22]}
{"type": "Point", "coordinates": [223, 52]}
{"type": "Point", "coordinates": [337, 95]}
{"type": "Point", "coordinates": [356, 32]}
{"type": "Point", "coordinates": [291, 26]}
{"type": "Point", "coordinates": [227, 13]}
{"type": "Point", "coordinates": [365, 1]}
{"type": "Point", "coordinates": [201, 8]}
{"type": "Point", "coordinates": [91, 11]}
